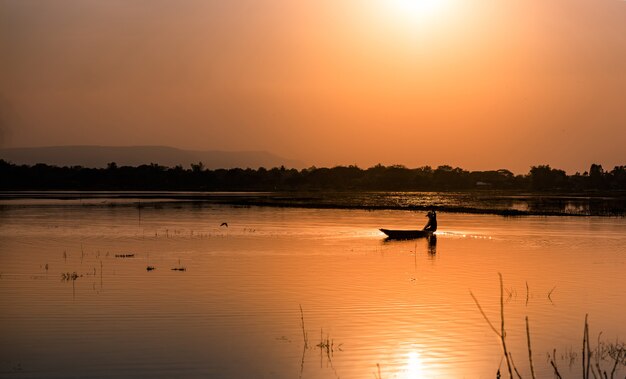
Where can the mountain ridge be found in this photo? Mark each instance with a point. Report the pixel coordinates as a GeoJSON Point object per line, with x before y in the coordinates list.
{"type": "Point", "coordinates": [98, 156]}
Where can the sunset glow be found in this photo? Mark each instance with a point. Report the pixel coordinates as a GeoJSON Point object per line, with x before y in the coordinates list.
{"type": "Point", "coordinates": [312, 188]}
{"type": "Point", "coordinates": [479, 85]}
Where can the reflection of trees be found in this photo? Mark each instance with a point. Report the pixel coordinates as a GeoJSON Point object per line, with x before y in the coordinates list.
{"type": "Point", "coordinates": [578, 205]}
{"type": "Point", "coordinates": [547, 204]}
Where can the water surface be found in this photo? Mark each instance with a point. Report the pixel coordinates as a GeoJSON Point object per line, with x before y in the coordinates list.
{"type": "Point", "coordinates": [234, 312]}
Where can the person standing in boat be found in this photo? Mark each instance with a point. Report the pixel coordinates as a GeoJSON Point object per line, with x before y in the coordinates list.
{"type": "Point", "coordinates": [431, 225]}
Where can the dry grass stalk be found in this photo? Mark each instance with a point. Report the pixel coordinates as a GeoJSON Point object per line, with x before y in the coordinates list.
{"type": "Point", "coordinates": [530, 352]}
{"type": "Point", "coordinates": [527, 292]}
{"type": "Point", "coordinates": [550, 293]}
{"type": "Point", "coordinates": [514, 368]}
{"type": "Point", "coordinates": [304, 333]}
{"type": "Point", "coordinates": [586, 355]}
{"type": "Point", "coordinates": [377, 375]}
{"type": "Point", "coordinates": [502, 332]}
{"type": "Point", "coordinates": [556, 370]}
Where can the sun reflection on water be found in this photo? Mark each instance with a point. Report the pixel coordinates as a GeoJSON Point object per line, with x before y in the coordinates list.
{"type": "Point", "coordinates": [414, 368]}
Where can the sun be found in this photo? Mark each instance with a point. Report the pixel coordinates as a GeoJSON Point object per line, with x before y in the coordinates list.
{"type": "Point", "coordinates": [415, 7]}
{"type": "Point", "coordinates": [417, 11]}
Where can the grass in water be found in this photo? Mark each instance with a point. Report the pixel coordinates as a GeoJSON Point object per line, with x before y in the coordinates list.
{"type": "Point", "coordinates": [326, 345]}
{"type": "Point", "coordinates": [69, 276]}
{"type": "Point", "coordinates": [179, 268]}
{"type": "Point", "coordinates": [613, 353]}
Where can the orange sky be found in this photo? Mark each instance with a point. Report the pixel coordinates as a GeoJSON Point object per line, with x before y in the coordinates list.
{"type": "Point", "coordinates": [481, 84]}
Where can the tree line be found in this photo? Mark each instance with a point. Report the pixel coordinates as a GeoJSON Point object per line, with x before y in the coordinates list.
{"type": "Point", "coordinates": [377, 178]}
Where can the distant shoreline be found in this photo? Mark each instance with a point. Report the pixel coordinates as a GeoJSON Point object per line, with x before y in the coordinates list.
{"type": "Point", "coordinates": [151, 177]}
{"type": "Point", "coordinates": [544, 191]}
{"type": "Point", "coordinates": [501, 203]}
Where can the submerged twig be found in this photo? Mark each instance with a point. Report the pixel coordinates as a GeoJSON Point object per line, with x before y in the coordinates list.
{"type": "Point", "coordinates": [124, 255]}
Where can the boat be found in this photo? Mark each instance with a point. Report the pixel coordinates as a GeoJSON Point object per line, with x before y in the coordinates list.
{"type": "Point", "coordinates": [405, 234]}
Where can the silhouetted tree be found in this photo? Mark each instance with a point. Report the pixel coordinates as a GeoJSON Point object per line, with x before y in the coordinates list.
{"type": "Point", "coordinates": [545, 178]}
{"type": "Point", "coordinates": [618, 175]}
{"type": "Point", "coordinates": [446, 177]}
{"type": "Point", "coordinates": [379, 177]}
{"type": "Point", "coordinates": [197, 167]}
{"type": "Point", "coordinates": [596, 177]}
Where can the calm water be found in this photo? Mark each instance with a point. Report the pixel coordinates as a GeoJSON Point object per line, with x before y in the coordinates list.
{"type": "Point", "coordinates": [235, 310]}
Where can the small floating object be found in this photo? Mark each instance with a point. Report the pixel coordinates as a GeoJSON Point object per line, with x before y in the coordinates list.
{"type": "Point", "coordinates": [179, 269]}
{"type": "Point", "coordinates": [224, 224]}
{"type": "Point", "coordinates": [67, 276]}
{"type": "Point", "coordinates": [124, 255]}
{"type": "Point", "coordinates": [150, 268]}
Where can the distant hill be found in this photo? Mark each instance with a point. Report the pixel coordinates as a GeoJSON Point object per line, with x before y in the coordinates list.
{"type": "Point", "coordinates": [100, 156]}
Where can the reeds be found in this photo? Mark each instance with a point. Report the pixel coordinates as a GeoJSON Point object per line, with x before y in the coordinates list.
{"type": "Point", "coordinates": [615, 351]}
{"type": "Point", "coordinates": [326, 345]}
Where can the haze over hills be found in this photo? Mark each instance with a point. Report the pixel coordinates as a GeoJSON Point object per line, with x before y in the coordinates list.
{"type": "Point", "coordinates": [100, 156]}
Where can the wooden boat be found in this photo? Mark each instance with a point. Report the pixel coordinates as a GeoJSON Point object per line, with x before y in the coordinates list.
{"type": "Point", "coordinates": [405, 234]}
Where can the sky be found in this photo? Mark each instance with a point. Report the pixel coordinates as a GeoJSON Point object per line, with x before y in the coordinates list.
{"type": "Point", "coordinates": [479, 84]}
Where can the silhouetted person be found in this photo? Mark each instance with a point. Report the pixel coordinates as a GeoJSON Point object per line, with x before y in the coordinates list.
{"type": "Point", "coordinates": [431, 225]}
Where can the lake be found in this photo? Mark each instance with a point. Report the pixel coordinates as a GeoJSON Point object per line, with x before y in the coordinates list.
{"type": "Point", "coordinates": [298, 292]}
